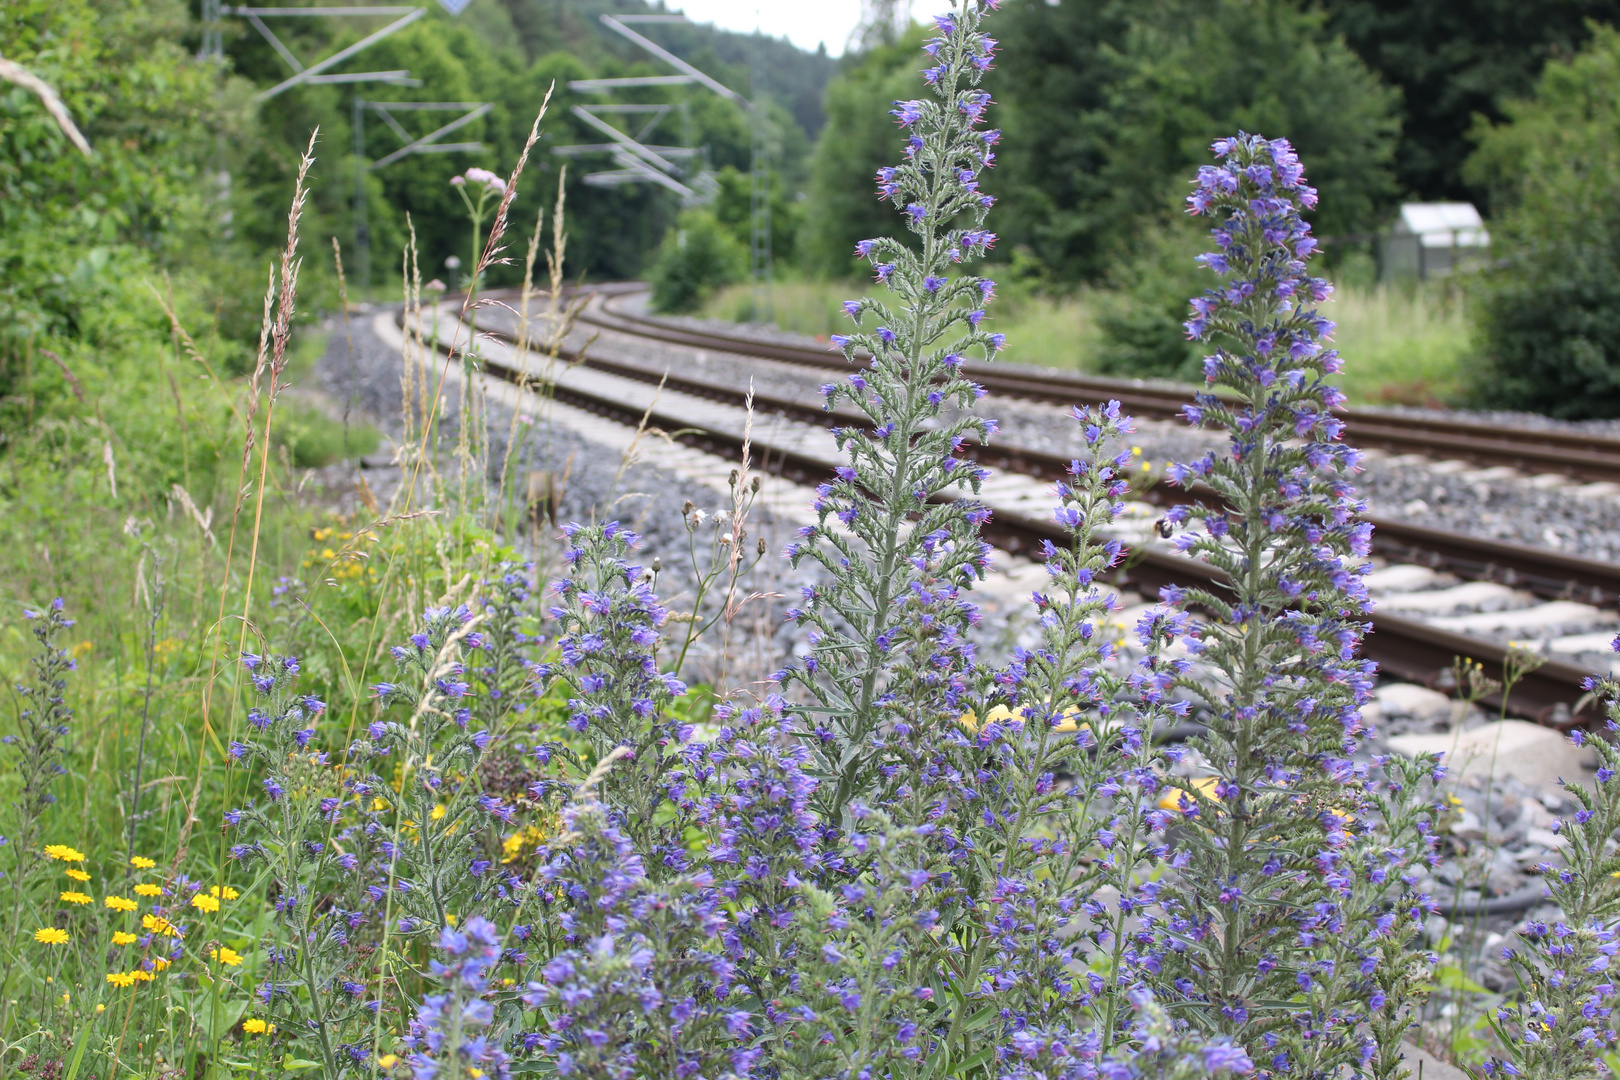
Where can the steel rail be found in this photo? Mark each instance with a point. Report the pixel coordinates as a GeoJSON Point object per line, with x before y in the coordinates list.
{"type": "Point", "coordinates": [1405, 647]}
{"type": "Point", "coordinates": [1539, 450]}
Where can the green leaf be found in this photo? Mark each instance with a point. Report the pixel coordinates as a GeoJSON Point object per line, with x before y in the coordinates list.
{"type": "Point", "coordinates": [292, 1064]}
{"type": "Point", "coordinates": [969, 1064]}
{"type": "Point", "coordinates": [1452, 977]}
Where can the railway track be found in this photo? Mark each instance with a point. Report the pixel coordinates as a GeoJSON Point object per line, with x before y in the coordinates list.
{"type": "Point", "coordinates": [1441, 595]}
{"type": "Point", "coordinates": [1535, 450]}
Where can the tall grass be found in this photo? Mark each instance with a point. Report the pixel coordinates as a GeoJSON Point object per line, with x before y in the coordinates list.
{"type": "Point", "coordinates": [1404, 345]}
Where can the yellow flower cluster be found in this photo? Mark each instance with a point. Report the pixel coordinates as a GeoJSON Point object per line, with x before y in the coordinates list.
{"type": "Point", "coordinates": [123, 979]}
{"type": "Point", "coordinates": [141, 862]}
{"type": "Point", "coordinates": [1176, 799]}
{"type": "Point", "coordinates": [523, 842]}
{"type": "Point", "coordinates": [71, 897]}
{"type": "Point", "coordinates": [255, 1026]}
{"type": "Point", "coordinates": [228, 957]}
{"type": "Point", "coordinates": [121, 903]}
{"type": "Point", "coordinates": [349, 560]}
{"type": "Point", "coordinates": [1002, 715]}
{"type": "Point", "coordinates": [64, 853]}
{"type": "Point", "coordinates": [50, 935]}
{"type": "Point", "coordinates": [157, 924]}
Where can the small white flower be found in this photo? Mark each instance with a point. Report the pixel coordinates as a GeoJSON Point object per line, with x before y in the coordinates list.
{"type": "Point", "coordinates": [488, 179]}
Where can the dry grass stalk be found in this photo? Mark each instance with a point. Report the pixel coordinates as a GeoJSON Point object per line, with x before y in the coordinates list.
{"type": "Point", "coordinates": [14, 72]}
{"type": "Point", "coordinates": [274, 334]}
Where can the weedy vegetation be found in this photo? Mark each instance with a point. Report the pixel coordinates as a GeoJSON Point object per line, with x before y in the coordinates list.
{"type": "Point", "coordinates": [426, 814]}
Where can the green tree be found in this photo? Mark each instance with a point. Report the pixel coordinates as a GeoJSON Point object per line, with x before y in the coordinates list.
{"type": "Point", "coordinates": [1454, 60]}
{"type": "Point", "coordinates": [734, 208]}
{"type": "Point", "coordinates": [1055, 80]}
{"type": "Point", "coordinates": [1549, 310]}
{"type": "Point", "coordinates": [1141, 316]}
{"type": "Point", "coordinates": [76, 230]}
{"type": "Point", "coordinates": [860, 136]}
{"type": "Point", "coordinates": [1109, 106]}
{"type": "Point", "coordinates": [696, 258]}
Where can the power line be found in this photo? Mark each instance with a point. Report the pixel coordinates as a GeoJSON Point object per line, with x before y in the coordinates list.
{"type": "Point", "coordinates": [426, 144]}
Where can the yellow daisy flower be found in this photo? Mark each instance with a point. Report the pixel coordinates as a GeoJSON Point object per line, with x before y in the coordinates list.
{"type": "Point", "coordinates": [63, 852]}
{"type": "Point", "coordinates": [121, 903]}
{"type": "Point", "coordinates": [204, 903]}
{"type": "Point", "coordinates": [159, 925]}
{"type": "Point", "coordinates": [141, 862]}
{"type": "Point", "coordinates": [1172, 797]}
{"type": "Point", "coordinates": [74, 898]}
{"type": "Point", "coordinates": [225, 891]}
{"type": "Point", "coordinates": [142, 975]}
{"type": "Point", "coordinates": [255, 1026]}
{"type": "Point", "coordinates": [121, 978]}
{"type": "Point", "coordinates": [50, 935]}
{"type": "Point", "coordinates": [122, 938]}
{"type": "Point", "coordinates": [77, 875]}
{"type": "Point", "coordinates": [159, 964]}
{"type": "Point", "coordinates": [228, 957]}
{"type": "Point", "coordinates": [145, 889]}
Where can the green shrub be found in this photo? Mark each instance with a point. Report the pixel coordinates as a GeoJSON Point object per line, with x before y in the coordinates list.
{"type": "Point", "coordinates": [313, 438]}
{"type": "Point", "coordinates": [696, 258]}
{"type": "Point", "coordinates": [1141, 321]}
{"type": "Point", "coordinates": [1549, 311]}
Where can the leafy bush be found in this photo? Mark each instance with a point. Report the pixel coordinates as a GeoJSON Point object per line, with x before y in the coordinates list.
{"type": "Point", "coordinates": [1141, 332]}
{"type": "Point", "coordinates": [313, 438]}
{"type": "Point", "coordinates": [1549, 310]}
{"type": "Point", "coordinates": [699, 256]}
{"type": "Point", "coordinates": [1108, 106]}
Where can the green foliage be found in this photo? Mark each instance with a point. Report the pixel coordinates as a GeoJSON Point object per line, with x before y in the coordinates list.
{"type": "Point", "coordinates": [860, 137]}
{"type": "Point", "coordinates": [1055, 80]}
{"type": "Point", "coordinates": [1453, 61]}
{"type": "Point", "coordinates": [1108, 105]}
{"type": "Point", "coordinates": [1141, 321]}
{"type": "Point", "coordinates": [699, 256]}
{"type": "Point", "coordinates": [509, 56]}
{"type": "Point", "coordinates": [313, 439]}
{"type": "Point", "coordinates": [1548, 310]}
{"type": "Point", "coordinates": [733, 207]}
{"type": "Point", "coordinates": [70, 226]}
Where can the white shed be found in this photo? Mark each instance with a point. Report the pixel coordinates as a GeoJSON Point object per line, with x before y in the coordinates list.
{"type": "Point", "coordinates": [1432, 239]}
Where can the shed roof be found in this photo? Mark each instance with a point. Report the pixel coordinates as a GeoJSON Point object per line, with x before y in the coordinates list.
{"type": "Point", "coordinates": [1444, 224]}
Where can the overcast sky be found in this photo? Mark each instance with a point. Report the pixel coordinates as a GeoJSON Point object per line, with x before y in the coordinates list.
{"type": "Point", "coordinates": [805, 24]}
